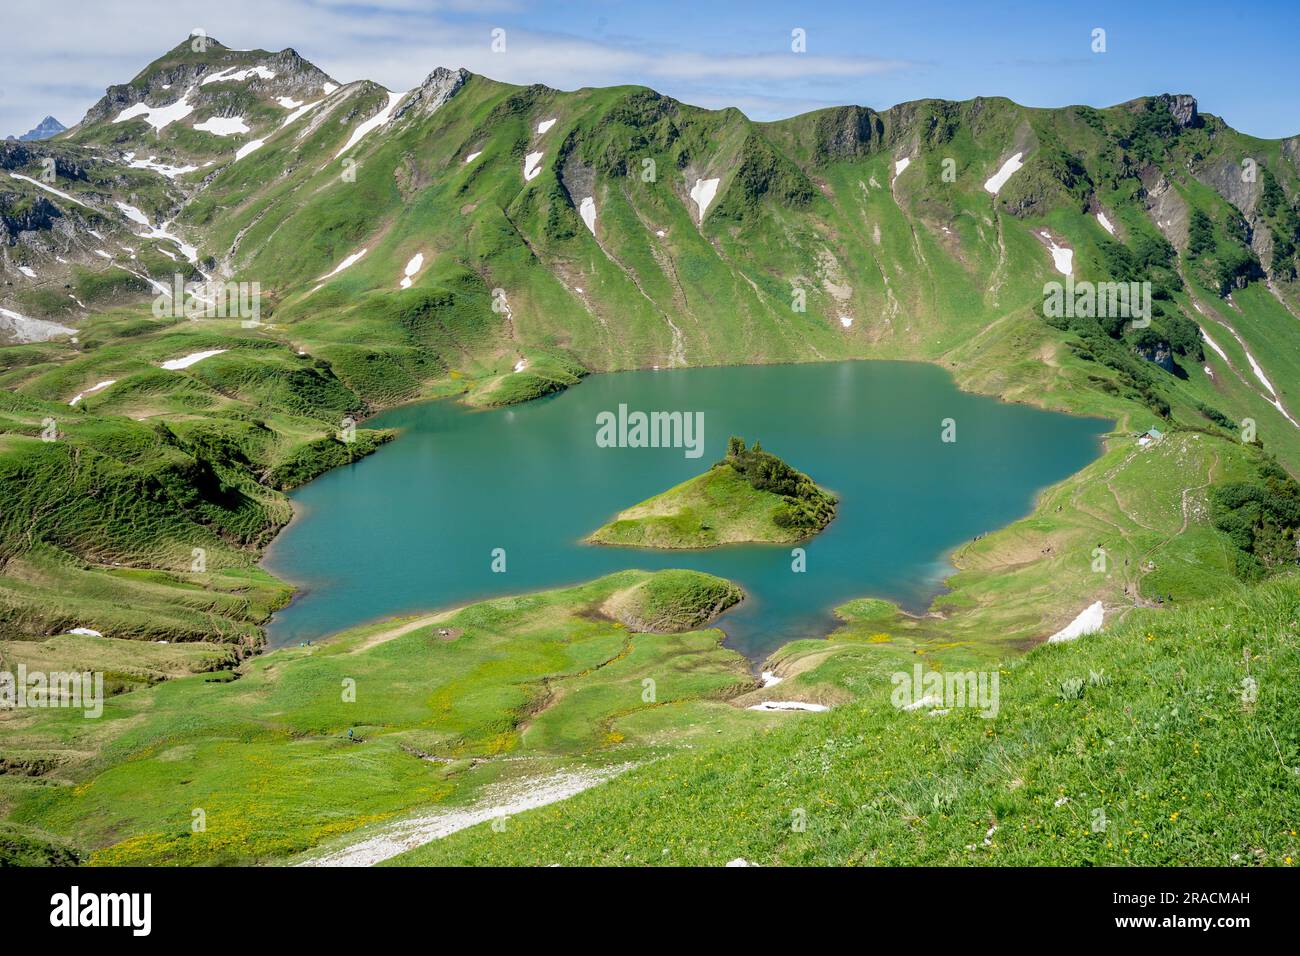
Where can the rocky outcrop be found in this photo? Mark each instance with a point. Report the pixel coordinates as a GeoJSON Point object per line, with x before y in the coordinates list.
{"type": "Point", "coordinates": [1165, 206]}
{"type": "Point", "coordinates": [1160, 354]}
{"type": "Point", "coordinates": [18, 216]}
{"type": "Point", "coordinates": [438, 87]}
{"type": "Point", "coordinates": [846, 132]}
{"type": "Point", "coordinates": [1183, 109]}
{"type": "Point", "coordinates": [1291, 150]}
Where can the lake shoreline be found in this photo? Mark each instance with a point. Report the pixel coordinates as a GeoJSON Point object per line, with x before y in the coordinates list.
{"type": "Point", "coordinates": [276, 559]}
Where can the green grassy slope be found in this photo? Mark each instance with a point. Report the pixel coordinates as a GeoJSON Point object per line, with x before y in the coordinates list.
{"type": "Point", "coordinates": [439, 708]}
{"type": "Point", "coordinates": [1168, 740]}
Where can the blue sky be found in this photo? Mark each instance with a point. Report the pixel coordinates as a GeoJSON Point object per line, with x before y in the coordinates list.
{"type": "Point", "coordinates": [1241, 60]}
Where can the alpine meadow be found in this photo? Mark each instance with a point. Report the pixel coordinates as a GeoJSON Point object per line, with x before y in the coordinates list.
{"type": "Point", "coordinates": [490, 473]}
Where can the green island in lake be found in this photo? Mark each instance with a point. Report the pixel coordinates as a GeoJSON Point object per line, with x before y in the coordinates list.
{"type": "Point", "coordinates": [750, 496]}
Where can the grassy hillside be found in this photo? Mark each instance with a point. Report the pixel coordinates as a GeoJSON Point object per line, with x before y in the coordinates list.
{"type": "Point", "coordinates": [1168, 740]}
{"type": "Point", "coordinates": [747, 497]}
{"type": "Point", "coordinates": [300, 746]}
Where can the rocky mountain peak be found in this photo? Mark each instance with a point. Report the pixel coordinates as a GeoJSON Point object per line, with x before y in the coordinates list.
{"type": "Point", "coordinates": [438, 87]}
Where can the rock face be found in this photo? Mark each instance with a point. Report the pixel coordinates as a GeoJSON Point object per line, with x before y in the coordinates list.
{"type": "Point", "coordinates": [17, 218]}
{"type": "Point", "coordinates": [438, 87]}
{"type": "Point", "coordinates": [1159, 354]}
{"type": "Point", "coordinates": [1183, 109]}
{"type": "Point", "coordinates": [847, 132]}
{"type": "Point", "coordinates": [1291, 150]}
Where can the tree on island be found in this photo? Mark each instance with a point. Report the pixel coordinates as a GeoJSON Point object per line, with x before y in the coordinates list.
{"type": "Point", "coordinates": [806, 505]}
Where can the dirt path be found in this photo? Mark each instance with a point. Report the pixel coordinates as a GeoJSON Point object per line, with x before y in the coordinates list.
{"type": "Point", "coordinates": [498, 803]}
{"type": "Point", "coordinates": [381, 637]}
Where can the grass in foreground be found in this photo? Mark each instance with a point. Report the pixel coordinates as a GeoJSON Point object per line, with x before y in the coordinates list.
{"type": "Point", "coordinates": [304, 745]}
{"type": "Point", "coordinates": [1168, 740]}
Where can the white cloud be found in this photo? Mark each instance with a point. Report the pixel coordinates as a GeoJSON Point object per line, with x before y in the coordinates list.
{"type": "Point", "coordinates": [64, 67]}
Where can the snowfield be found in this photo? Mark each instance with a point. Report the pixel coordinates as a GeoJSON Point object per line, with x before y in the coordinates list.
{"type": "Point", "coordinates": [22, 329]}
{"type": "Point", "coordinates": [49, 189]}
{"type": "Point", "coordinates": [587, 210]}
{"type": "Point", "coordinates": [703, 192]}
{"type": "Point", "coordinates": [343, 265]}
{"type": "Point", "coordinates": [532, 166]}
{"type": "Point", "coordinates": [412, 268]}
{"type": "Point", "coordinates": [235, 75]}
{"type": "Point", "coordinates": [158, 116]}
{"type": "Point", "coordinates": [376, 121]}
{"type": "Point", "coordinates": [185, 361]}
{"type": "Point", "coordinates": [999, 179]}
{"type": "Point", "coordinates": [222, 125]}
{"type": "Point", "coordinates": [1089, 621]}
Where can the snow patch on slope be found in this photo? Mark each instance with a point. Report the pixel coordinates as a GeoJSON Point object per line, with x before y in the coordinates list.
{"type": "Point", "coordinates": [703, 192]}
{"type": "Point", "coordinates": [49, 189]}
{"type": "Point", "coordinates": [411, 269]}
{"type": "Point", "coordinates": [999, 179]}
{"type": "Point", "coordinates": [90, 391]}
{"type": "Point", "coordinates": [235, 75]}
{"type": "Point", "coordinates": [185, 361]}
{"type": "Point", "coordinates": [587, 210]}
{"type": "Point", "coordinates": [1062, 257]}
{"type": "Point", "coordinates": [158, 116]}
{"type": "Point", "coordinates": [789, 705]}
{"type": "Point", "coordinates": [171, 172]}
{"type": "Point", "coordinates": [532, 166]}
{"type": "Point", "coordinates": [376, 121]}
{"type": "Point", "coordinates": [222, 125]}
{"type": "Point", "coordinates": [343, 265]}
{"type": "Point", "coordinates": [544, 125]}
{"type": "Point", "coordinates": [1089, 621]}
{"type": "Point", "coordinates": [251, 146]}
{"type": "Point", "coordinates": [22, 329]}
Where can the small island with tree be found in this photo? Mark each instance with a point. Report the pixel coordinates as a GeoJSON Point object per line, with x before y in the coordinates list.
{"type": "Point", "coordinates": [751, 496]}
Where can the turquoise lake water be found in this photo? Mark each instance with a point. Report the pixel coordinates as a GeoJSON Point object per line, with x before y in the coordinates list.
{"type": "Point", "coordinates": [413, 527]}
